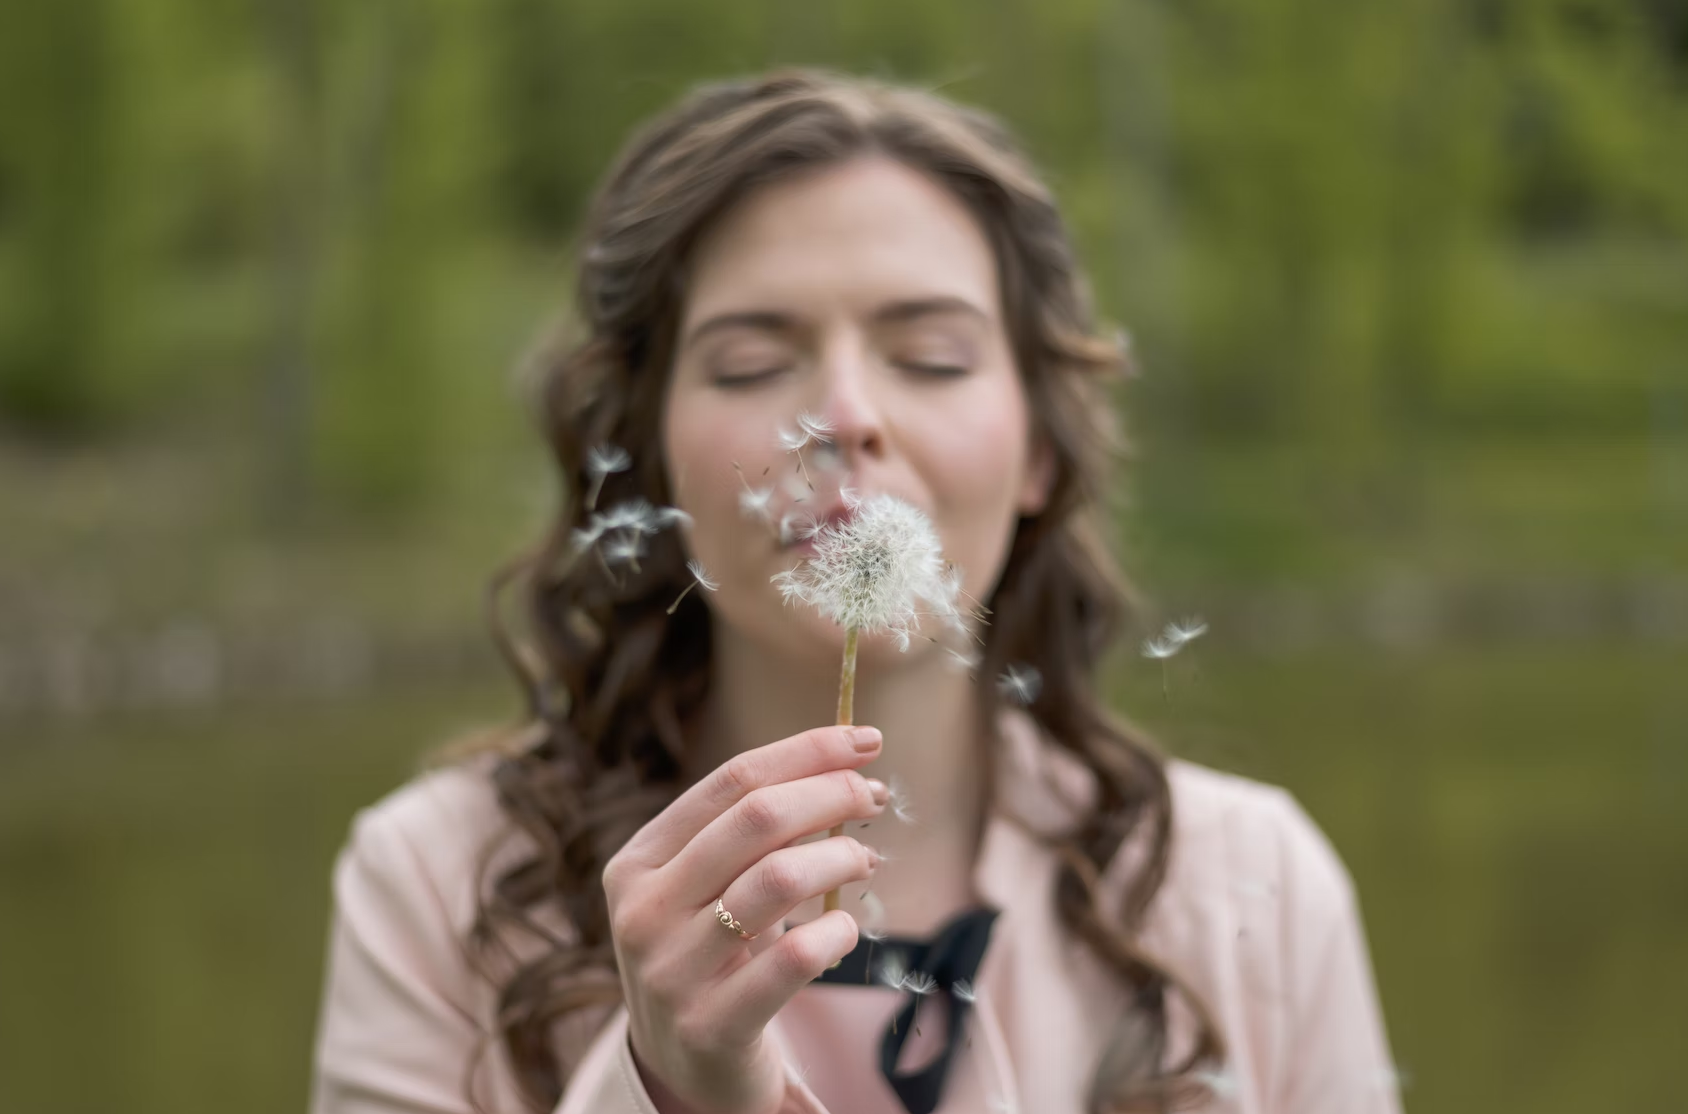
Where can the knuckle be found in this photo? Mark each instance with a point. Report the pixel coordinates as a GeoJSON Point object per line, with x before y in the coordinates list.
{"type": "Point", "coordinates": [739, 776]}
{"type": "Point", "coordinates": [782, 880]}
{"type": "Point", "coordinates": [800, 956]}
{"type": "Point", "coordinates": [758, 815]}
{"type": "Point", "coordinates": [855, 790]}
{"type": "Point", "coordinates": [615, 875]}
{"type": "Point", "coordinates": [627, 926]}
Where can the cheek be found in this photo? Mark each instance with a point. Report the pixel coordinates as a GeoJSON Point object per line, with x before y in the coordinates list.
{"type": "Point", "coordinates": [977, 458]}
{"type": "Point", "coordinates": [701, 443]}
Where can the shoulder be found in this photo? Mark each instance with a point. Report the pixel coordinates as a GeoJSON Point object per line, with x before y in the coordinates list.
{"type": "Point", "coordinates": [416, 857]}
{"type": "Point", "coordinates": [1238, 839]}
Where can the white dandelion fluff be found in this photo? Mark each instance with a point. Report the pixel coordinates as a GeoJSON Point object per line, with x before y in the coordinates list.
{"type": "Point", "coordinates": [919, 982]}
{"type": "Point", "coordinates": [963, 991]}
{"type": "Point", "coordinates": [624, 548]}
{"type": "Point", "coordinates": [965, 661]}
{"type": "Point", "coordinates": [1160, 647]}
{"type": "Point", "coordinates": [695, 567]}
{"type": "Point", "coordinates": [810, 430]}
{"type": "Point", "coordinates": [1222, 1083]}
{"type": "Point", "coordinates": [892, 970]}
{"type": "Point", "coordinates": [898, 800]}
{"type": "Point", "coordinates": [601, 460]}
{"type": "Point", "coordinates": [700, 579]}
{"type": "Point", "coordinates": [1186, 630]}
{"type": "Point", "coordinates": [880, 569]}
{"type": "Point", "coordinates": [755, 501]}
{"type": "Point", "coordinates": [1020, 684]}
{"type": "Point", "coordinates": [796, 525]}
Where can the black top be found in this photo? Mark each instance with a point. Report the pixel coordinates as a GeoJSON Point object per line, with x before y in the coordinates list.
{"type": "Point", "coordinates": [952, 954]}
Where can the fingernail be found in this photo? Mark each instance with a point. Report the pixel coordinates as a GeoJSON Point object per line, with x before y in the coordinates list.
{"type": "Point", "coordinates": [864, 739]}
{"type": "Point", "coordinates": [881, 792]}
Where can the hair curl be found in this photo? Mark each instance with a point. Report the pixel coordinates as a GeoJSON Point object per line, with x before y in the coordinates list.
{"type": "Point", "coordinates": [610, 678]}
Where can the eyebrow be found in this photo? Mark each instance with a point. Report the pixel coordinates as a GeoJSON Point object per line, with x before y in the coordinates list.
{"type": "Point", "coordinates": [895, 312]}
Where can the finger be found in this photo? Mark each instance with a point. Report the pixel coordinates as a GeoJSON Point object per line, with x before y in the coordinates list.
{"type": "Point", "coordinates": [803, 755]}
{"type": "Point", "coordinates": [766, 820]}
{"type": "Point", "coordinates": [764, 895]}
{"type": "Point", "coordinates": [754, 993]}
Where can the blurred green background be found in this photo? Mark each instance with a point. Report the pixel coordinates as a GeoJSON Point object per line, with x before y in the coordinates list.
{"type": "Point", "coordinates": [1409, 287]}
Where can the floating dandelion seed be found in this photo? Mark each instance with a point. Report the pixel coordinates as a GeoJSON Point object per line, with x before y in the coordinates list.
{"type": "Point", "coordinates": [1187, 630]}
{"type": "Point", "coordinates": [700, 578]}
{"type": "Point", "coordinates": [624, 548]}
{"type": "Point", "coordinates": [963, 991]}
{"type": "Point", "coordinates": [1161, 648]}
{"type": "Point", "coordinates": [795, 525]}
{"type": "Point", "coordinates": [810, 429]}
{"type": "Point", "coordinates": [892, 970]}
{"type": "Point", "coordinates": [756, 502]}
{"type": "Point", "coordinates": [601, 460]}
{"type": "Point", "coordinates": [898, 801]}
{"type": "Point", "coordinates": [964, 660]}
{"type": "Point", "coordinates": [919, 982]}
{"type": "Point", "coordinates": [1020, 683]}
{"type": "Point", "coordinates": [618, 534]}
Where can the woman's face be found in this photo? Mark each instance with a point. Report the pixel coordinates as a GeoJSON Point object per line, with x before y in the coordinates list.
{"type": "Point", "coordinates": [864, 294]}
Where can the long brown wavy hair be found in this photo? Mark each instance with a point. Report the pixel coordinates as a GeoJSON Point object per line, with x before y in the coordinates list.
{"type": "Point", "coordinates": [611, 679]}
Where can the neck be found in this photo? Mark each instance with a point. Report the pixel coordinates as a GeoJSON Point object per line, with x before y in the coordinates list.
{"type": "Point", "coordinates": [933, 752]}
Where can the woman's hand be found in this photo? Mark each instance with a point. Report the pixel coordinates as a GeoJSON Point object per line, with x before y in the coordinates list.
{"type": "Point", "coordinates": [698, 996]}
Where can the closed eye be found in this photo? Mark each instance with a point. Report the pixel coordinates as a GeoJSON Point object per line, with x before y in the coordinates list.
{"type": "Point", "coordinates": [747, 379]}
{"type": "Point", "coordinates": [936, 371]}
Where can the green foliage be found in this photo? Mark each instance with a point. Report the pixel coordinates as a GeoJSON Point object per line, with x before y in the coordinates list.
{"type": "Point", "coordinates": [1339, 225]}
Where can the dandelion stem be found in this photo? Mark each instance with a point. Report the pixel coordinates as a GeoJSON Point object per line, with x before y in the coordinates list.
{"type": "Point", "coordinates": [681, 596]}
{"type": "Point", "coordinates": [846, 716]}
{"type": "Point", "coordinates": [597, 488]}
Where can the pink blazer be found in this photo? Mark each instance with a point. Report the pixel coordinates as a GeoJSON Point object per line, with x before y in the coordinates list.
{"type": "Point", "coordinates": [1257, 913]}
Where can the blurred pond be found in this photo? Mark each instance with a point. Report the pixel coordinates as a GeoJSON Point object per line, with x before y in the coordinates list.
{"type": "Point", "coordinates": [1514, 820]}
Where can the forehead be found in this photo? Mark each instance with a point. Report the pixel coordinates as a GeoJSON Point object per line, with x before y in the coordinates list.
{"type": "Point", "coordinates": [842, 240]}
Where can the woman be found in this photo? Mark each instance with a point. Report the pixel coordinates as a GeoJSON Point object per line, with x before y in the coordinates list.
{"type": "Point", "coordinates": [793, 289]}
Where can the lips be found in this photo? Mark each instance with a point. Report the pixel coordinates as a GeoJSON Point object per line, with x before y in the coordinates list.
{"type": "Point", "coordinates": [803, 536]}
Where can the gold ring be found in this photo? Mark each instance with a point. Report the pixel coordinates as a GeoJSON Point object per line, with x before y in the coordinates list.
{"type": "Point", "coordinates": [731, 921]}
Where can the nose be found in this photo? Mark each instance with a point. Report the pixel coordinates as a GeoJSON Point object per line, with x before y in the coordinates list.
{"type": "Point", "coordinates": [853, 402]}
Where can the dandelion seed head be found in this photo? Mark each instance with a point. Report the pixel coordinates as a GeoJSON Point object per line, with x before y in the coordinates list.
{"type": "Point", "coordinates": [878, 570]}
{"type": "Point", "coordinates": [1020, 684]}
{"type": "Point", "coordinates": [603, 459]}
{"type": "Point", "coordinates": [963, 991]}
